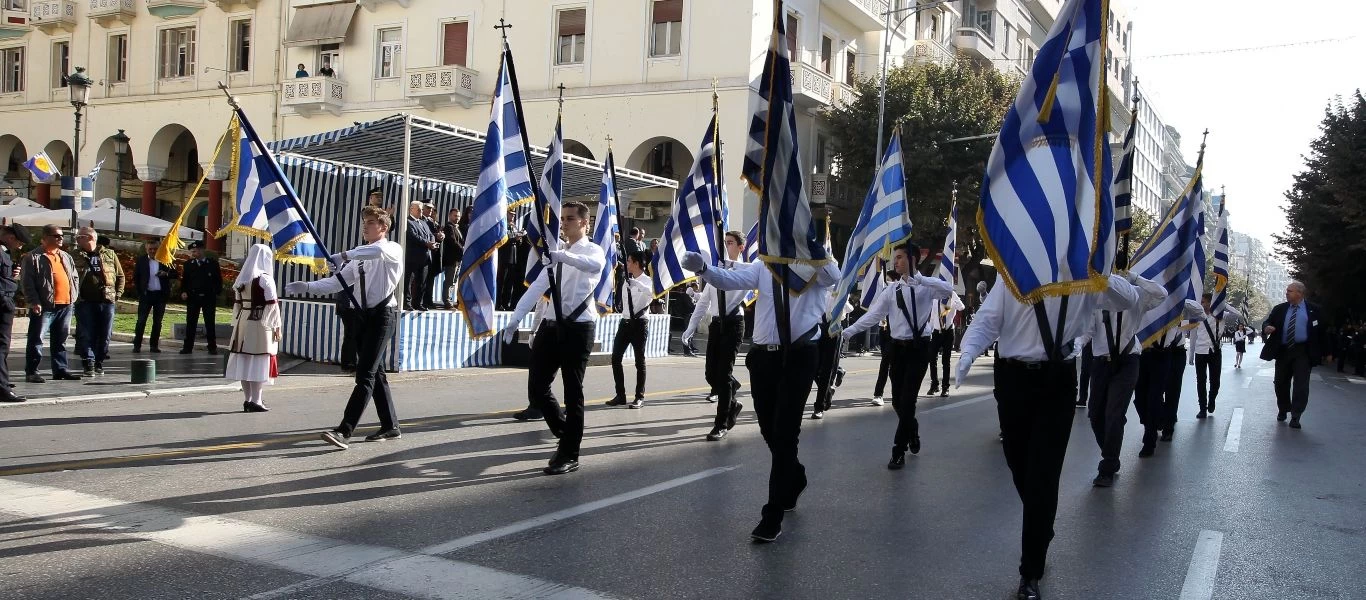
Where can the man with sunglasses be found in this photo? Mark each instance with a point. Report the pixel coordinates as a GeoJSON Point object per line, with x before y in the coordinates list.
{"type": "Point", "coordinates": [49, 282]}
{"type": "Point", "coordinates": [101, 282]}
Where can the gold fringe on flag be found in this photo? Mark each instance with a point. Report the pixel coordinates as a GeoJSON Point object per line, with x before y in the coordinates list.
{"type": "Point", "coordinates": [171, 242]}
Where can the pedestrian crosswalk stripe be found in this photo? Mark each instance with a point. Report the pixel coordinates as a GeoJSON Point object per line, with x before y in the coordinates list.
{"type": "Point", "coordinates": [1200, 576]}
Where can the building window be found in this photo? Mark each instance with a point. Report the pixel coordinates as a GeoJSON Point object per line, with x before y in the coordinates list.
{"type": "Point", "coordinates": [793, 24]}
{"type": "Point", "coordinates": [827, 55]}
{"type": "Point", "coordinates": [850, 66]}
{"type": "Point", "coordinates": [61, 63]}
{"type": "Point", "coordinates": [329, 59]}
{"type": "Point", "coordinates": [662, 160]}
{"type": "Point", "coordinates": [455, 43]}
{"type": "Point", "coordinates": [573, 36]}
{"type": "Point", "coordinates": [934, 27]}
{"type": "Point", "coordinates": [240, 46]}
{"type": "Point", "coordinates": [13, 60]}
{"type": "Point", "coordinates": [388, 52]}
{"type": "Point", "coordinates": [177, 52]}
{"type": "Point", "coordinates": [118, 58]}
{"type": "Point", "coordinates": [666, 34]}
{"type": "Point", "coordinates": [14, 4]}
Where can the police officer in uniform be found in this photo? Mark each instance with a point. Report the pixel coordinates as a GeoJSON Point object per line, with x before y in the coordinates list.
{"type": "Point", "coordinates": [13, 237]}
{"type": "Point", "coordinates": [199, 288]}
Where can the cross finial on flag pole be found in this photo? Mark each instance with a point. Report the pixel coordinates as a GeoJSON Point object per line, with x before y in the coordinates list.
{"type": "Point", "coordinates": [503, 26]}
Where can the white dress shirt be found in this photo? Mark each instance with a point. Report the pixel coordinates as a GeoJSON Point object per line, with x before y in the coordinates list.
{"type": "Point", "coordinates": [1013, 322]}
{"type": "Point", "coordinates": [153, 279]}
{"type": "Point", "coordinates": [919, 293]}
{"type": "Point", "coordinates": [637, 295]}
{"type": "Point", "coordinates": [1176, 336]}
{"type": "Point", "coordinates": [1124, 319]}
{"type": "Point", "coordinates": [946, 312]}
{"type": "Point", "coordinates": [707, 304]}
{"type": "Point", "coordinates": [806, 310]}
{"type": "Point", "coordinates": [1200, 339]}
{"type": "Point", "coordinates": [577, 268]}
{"type": "Point", "coordinates": [382, 263]}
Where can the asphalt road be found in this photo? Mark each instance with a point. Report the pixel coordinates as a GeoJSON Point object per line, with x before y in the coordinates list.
{"type": "Point", "coordinates": [186, 497]}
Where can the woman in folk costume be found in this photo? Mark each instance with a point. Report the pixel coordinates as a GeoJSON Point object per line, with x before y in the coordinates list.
{"type": "Point", "coordinates": [255, 328]}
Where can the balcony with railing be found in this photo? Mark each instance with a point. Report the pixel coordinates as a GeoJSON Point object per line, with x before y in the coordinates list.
{"type": "Point", "coordinates": [864, 14]}
{"type": "Point", "coordinates": [53, 15]}
{"type": "Point", "coordinates": [929, 52]}
{"type": "Point", "coordinates": [13, 24]}
{"type": "Point", "coordinates": [810, 86]}
{"type": "Point", "coordinates": [106, 12]}
{"type": "Point", "coordinates": [312, 95]}
{"type": "Point", "coordinates": [170, 9]}
{"type": "Point", "coordinates": [441, 86]}
{"type": "Point", "coordinates": [977, 43]}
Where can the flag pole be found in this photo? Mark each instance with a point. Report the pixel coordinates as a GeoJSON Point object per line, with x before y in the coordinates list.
{"type": "Point", "coordinates": [611, 165]}
{"type": "Point", "coordinates": [719, 225]}
{"type": "Point", "coordinates": [1122, 257]}
{"type": "Point", "coordinates": [405, 199]}
{"type": "Point", "coordinates": [535, 181]}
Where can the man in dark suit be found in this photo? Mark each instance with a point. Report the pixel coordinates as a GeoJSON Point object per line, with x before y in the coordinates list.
{"type": "Point", "coordinates": [13, 237]}
{"type": "Point", "coordinates": [1295, 340]}
{"type": "Point", "coordinates": [199, 289]}
{"type": "Point", "coordinates": [452, 252]}
{"type": "Point", "coordinates": [433, 267]}
{"type": "Point", "coordinates": [152, 280]}
{"type": "Point", "coordinates": [418, 257]}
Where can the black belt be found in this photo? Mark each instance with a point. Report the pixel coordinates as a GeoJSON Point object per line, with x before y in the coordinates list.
{"type": "Point", "coordinates": [1034, 365]}
{"type": "Point", "coordinates": [910, 342]}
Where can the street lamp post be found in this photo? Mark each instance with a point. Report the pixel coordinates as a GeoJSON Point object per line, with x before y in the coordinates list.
{"type": "Point", "coordinates": [78, 85]}
{"type": "Point", "coordinates": [120, 151]}
{"type": "Point", "coordinates": [887, 28]}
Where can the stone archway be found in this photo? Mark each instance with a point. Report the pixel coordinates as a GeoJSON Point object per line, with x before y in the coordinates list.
{"type": "Point", "coordinates": [15, 180]}
{"type": "Point", "coordinates": [662, 156]}
{"type": "Point", "coordinates": [118, 178]}
{"type": "Point", "coordinates": [170, 171]}
{"type": "Point", "coordinates": [577, 148]}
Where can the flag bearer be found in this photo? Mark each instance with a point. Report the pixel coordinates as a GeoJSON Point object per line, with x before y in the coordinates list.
{"type": "Point", "coordinates": [633, 330]}
{"type": "Point", "coordinates": [1207, 352]}
{"type": "Point", "coordinates": [723, 340]}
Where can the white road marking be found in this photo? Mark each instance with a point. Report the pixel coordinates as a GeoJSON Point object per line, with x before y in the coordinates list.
{"type": "Point", "coordinates": [1247, 383]}
{"type": "Point", "coordinates": [1235, 430]}
{"type": "Point", "coordinates": [1357, 381]}
{"type": "Point", "coordinates": [384, 564]}
{"type": "Point", "coordinates": [399, 572]}
{"type": "Point", "coordinates": [1204, 566]}
{"type": "Point", "coordinates": [972, 400]}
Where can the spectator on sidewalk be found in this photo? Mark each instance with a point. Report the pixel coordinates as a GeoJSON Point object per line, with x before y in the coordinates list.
{"type": "Point", "coordinates": [452, 252]}
{"type": "Point", "coordinates": [255, 328]}
{"type": "Point", "coordinates": [49, 282]}
{"type": "Point", "coordinates": [199, 288]}
{"type": "Point", "coordinates": [435, 264]}
{"type": "Point", "coordinates": [418, 258]}
{"type": "Point", "coordinates": [152, 280]}
{"type": "Point", "coordinates": [100, 280]}
{"type": "Point", "coordinates": [13, 238]}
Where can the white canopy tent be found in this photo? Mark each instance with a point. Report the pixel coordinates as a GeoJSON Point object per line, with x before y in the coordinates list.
{"type": "Point", "coordinates": [102, 218]}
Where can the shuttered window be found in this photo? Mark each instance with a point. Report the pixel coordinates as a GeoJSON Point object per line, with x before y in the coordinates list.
{"type": "Point", "coordinates": [792, 37]}
{"type": "Point", "coordinates": [455, 44]}
{"type": "Point", "coordinates": [668, 11]}
{"type": "Point", "coordinates": [573, 39]}
{"type": "Point", "coordinates": [666, 34]}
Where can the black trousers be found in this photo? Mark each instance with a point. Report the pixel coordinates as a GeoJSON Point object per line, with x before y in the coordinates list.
{"type": "Point", "coordinates": [941, 347]}
{"type": "Point", "coordinates": [884, 363]}
{"type": "Point", "coordinates": [1207, 368]}
{"type": "Point", "coordinates": [631, 333]}
{"type": "Point", "coordinates": [564, 350]}
{"type": "Point", "coordinates": [828, 348]}
{"type": "Point", "coordinates": [1148, 392]}
{"type": "Point", "coordinates": [6, 334]}
{"type": "Point", "coordinates": [1171, 396]}
{"type": "Point", "coordinates": [350, 329]}
{"type": "Point", "coordinates": [1084, 386]}
{"type": "Point", "coordinates": [1292, 379]}
{"type": "Point", "coordinates": [429, 285]}
{"type": "Point", "coordinates": [153, 303]}
{"type": "Point", "coordinates": [1035, 406]}
{"type": "Point", "coordinates": [414, 280]}
{"type": "Point", "coordinates": [194, 306]}
{"type": "Point", "coordinates": [780, 388]}
{"type": "Point", "coordinates": [723, 341]}
{"type": "Point", "coordinates": [1112, 384]}
{"type": "Point", "coordinates": [373, 328]}
{"type": "Point", "coordinates": [909, 361]}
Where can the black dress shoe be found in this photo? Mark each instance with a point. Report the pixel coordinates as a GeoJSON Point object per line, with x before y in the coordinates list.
{"type": "Point", "coordinates": [529, 414]}
{"type": "Point", "coordinates": [253, 407]}
{"type": "Point", "coordinates": [335, 438]}
{"type": "Point", "coordinates": [7, 397]}
{"type": "Point", "coordinates": [735, 408]}
{"type": "Point", "coordinates": [1166, 435]}
{"type": "Point", "coordinates": [1211, 406]}
{"type": "Point", "coordinates": [898, 459]}
{"type": "Point", "coordinates": [1103, 480]}
{"type": "Point", "coordinates": [1200, 415]}
{"type": "Point", "coordinates": [156, 350]}
{"type": "Point", "coordinates": [213, 350]}
{"type": "Point", "coordinates": [384, 435]}
{"type": "Point", "coordinates": [944, 393]}
{"type": "Point", "coordinates": [1146, 451]}
{"type": "Point", "coordinates": [66, 376]}
{"type": "Point", "coordinates": [1280, 416]}
{"type": "Point", "coordinates": [36, 378]}
{"type": "Point", "coordinates": [1029, 589]}
{"type": "Point", "coordinates": [766, 531]}
{"type": "Point", "coordinates": [562, 467]}
{"type": "Point", "coordinates": [915, 445]}
{"type": "Point", "coordinates": [717, 433]}
{"type": "Point", "coordinates": [1081, 404]}
{"type": "Point", "coordinates": [187, 350]}
{"type": "Point", "coordinates": [617, 400]}
{"type": "Point", "coordinates": [934, 389]}
{"type": "Point", "coordinates": [637, 403]}
{"type": "Point", "coordinates": [1295, 422]}
{"type": "Point", "coordinates": [796, 495]}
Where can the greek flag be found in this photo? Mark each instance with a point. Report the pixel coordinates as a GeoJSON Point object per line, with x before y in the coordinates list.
{"type": "Point", "coordinates": [751, 253]}
{"type": "Point", "coordinates": [504, 178]}
{"type": "Point", "coordinates": [948, 267]}
{"type": "Point", "coordinates": [605, 234]}
{"type": "Point", "coordinates": [874, 279]}
{"type": "Point", "coordinates": [1046, 214]}
{"type": "Point", "coordinates": [266, 205]}
{"type": "Point", "coordinates": [1174, 258]}
{"type": "Point", "coordinates": [693, 220]}
{"type": "Point", "coordinates": [95, 172]}
{"type": "Point", "coordinates": [787, 240]}
{"type": "Point", "coordinates": [1122, 190]}
{"type": "Point", "coordinates": [883, 223]}
{"type": "Point", "coordinates": [42, 167]}
{"type": "Point", "coordinates": [546, 211]}
{"type": "Point", "coordinates": [1219, 301]}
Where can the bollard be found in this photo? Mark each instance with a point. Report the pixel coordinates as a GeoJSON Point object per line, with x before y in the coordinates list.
{"type": "Point", "coordinates": [144, 370]}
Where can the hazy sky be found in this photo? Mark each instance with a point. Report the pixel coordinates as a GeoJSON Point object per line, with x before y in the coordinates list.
{"type": "Point", "coordinates": [1263, 106]}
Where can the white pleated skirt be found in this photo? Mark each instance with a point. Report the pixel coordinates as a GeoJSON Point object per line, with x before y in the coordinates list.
{"type": "Point", "coordinates": [249, 367]}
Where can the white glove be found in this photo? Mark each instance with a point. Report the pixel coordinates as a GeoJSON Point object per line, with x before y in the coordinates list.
{"type": "Point", "coordinates": [556, 256]}
{"type": "Point", "coordinates": [337, 258]}
{"type": "Point", "coordinates": [546, 260]}
{"type": "Point", "coordinates": [693, 261]}
{"type": "Point", "coordinates": [845, 335]}
{"type": "Point", "coordinates": [1130, 276]}
{"type": "Point", "coordinates": [964, 363]}
{"type": "Point", "coordinates": [510, 334]}
{"type": "Point", "coordinates": [296, 288]}
{"type": "Point", "coordinates": [1076, 351]}
{"type": "Point", "coordinates": [687, 341]}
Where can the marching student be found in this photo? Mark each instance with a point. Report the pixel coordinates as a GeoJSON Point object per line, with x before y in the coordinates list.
{"type": "Point", "coordinates": [723, 340]}
{"type": "Point", "coordinates": [781, 377]}
{"type": "Point", "coordinates": [1114, 369]}
{"type": "Point", "coordinates": [1035, 388]}
{"type": "Point", "coordinates": [633, 330]}
{"type": "Point", "coordinates": [374, 321]}
{"type": "Point", "coordinates": [941, 341]}
{"type": "Point", "coordinates": [1158, 390]}
{"type": "Point", "coordinates": [1207, 352]}
{"type": "Point", "coordinates": [1240, 346]}
{"type": "Point", "coordinates": [563, 346]}
{"type": "Point", "coordinates": [908, 304]}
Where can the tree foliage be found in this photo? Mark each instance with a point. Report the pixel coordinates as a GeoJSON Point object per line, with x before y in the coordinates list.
{"type": "Point", "coordinates": [1325, 236]}
{"type": "Point", "coordinates": [933, 104]}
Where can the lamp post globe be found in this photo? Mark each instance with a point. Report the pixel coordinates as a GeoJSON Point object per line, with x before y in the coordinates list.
{"type": "Point", "coordinates": [78, 86]}
{"type": "Point", "coordinates": [120, 152]}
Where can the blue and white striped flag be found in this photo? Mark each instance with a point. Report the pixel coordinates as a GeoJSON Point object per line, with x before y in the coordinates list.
{"type": "Point", "coordinates": [546, 212]}
{"type": "Point", "coordinates": [883, 223]}
{"type": "Point", "coordinates": [1122, 190]}
{"type": "Point", "coordinates": [95, 172]}
{"type": "Point", "coordinates": [948, 259]}
{"type": "Point", "coordinates": [788, 243]}
{"type": "Point", "coordinates": [874, 279]}
{"type": "Point", "coordinates": [1174, 258]}
{"type": "Point", "coordinates": [1046, 214]}
{"type": "Point", "coordinates": [1219, 301]}
{"type": "Point", "coordinates": [692, 220]}
{"type": "Point", "coordinates": [605, 234]}
{"type": "Point", "coordinates": [504, 178]}
{"type": "Point", "coordinates": [266, 205]}
{"type": "Point", "coordinates": [751, 253]}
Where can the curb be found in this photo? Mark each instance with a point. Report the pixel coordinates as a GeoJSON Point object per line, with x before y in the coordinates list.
{"type": "Point", "coordinates": [136, 394]}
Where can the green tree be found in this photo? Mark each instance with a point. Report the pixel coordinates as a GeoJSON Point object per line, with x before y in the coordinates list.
{"type": "Point", "coordinates": [933, 104]}
{"type": "Point", "coordinates": [1325, 236]}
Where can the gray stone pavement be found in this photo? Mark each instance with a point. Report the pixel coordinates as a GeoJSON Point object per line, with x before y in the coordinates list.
{"type": "Point", "coordinates": [186, 497]}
